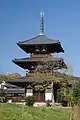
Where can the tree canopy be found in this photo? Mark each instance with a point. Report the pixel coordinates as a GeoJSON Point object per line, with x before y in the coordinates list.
{"type": "Point", "coordinates": [9, 76]}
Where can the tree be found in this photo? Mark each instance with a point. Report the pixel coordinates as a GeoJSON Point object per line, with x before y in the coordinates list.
{"type": "Point", "coordinates": [3, 77]}
{"type": "Point", "coordinates": [48, 70]}
{"type": "Point", "coordinates": [13, 75]}
{"type": "Point", "coordinates": [9, 76]}
{"type": "Point", "coordinates": [76, 93]}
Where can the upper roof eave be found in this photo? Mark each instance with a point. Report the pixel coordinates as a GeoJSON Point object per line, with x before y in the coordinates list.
{"type": "Point", "coordinates": [39, 40]}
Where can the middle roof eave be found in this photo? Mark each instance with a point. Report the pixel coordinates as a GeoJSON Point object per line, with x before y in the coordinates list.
{"type": "Point", "coordinates": [35, 59]}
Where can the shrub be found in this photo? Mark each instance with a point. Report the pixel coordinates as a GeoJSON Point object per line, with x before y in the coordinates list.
{"type": "Point", "coordinates": [29, 101]}
{"type": "Point", "coordinates": [48, 103]}
{"type": "Point", "coordinates": [64, 103]}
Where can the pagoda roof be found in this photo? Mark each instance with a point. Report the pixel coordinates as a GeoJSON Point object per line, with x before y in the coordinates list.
{"type": "Point", "coordinates": [27, 63]}
{"type": "Point", "coordinates": [37, 80]}
{"type": "Point", "coordinates": [40, 39]}
{"type": "Point", "coordinates": [30, 45]}
{"type": "Point", "coordinates": [28, 80]}
{"type": "Point", "coordinates": [37, 59]}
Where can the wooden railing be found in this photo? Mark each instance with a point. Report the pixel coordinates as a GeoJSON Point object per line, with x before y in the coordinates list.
{"type": "Point", "coordinates": [40, 55]}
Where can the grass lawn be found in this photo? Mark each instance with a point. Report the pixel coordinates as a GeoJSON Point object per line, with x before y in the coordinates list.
{"type": "Point", "coordinates": [21, 112]}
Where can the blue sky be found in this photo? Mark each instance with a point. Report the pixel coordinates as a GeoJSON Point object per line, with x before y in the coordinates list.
{"type": "Point", "coordinates": [20, 20]}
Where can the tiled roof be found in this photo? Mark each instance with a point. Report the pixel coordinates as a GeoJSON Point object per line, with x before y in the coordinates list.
{"type": "Point", "coordinates": [34, 59]}
{"type": "Point", "coordinates": [27, 79]}
{"type": "Point", "coordinates": [26, 63]}
{"type": "Point", "coordinates": [40, 39]}
{"type": "Point", "coordinates": [15, 90]}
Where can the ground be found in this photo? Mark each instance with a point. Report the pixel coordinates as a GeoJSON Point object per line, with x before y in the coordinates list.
{"type": "Point", "coordinates": [21, 112]}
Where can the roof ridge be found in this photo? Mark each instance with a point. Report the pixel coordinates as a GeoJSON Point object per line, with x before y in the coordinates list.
{"type": "Point", "coordinates": [50, 38]}
{"type": "Point", "coordinates": [28, 39]}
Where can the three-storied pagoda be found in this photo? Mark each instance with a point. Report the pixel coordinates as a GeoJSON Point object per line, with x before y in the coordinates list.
{"type": "Point", "coordinates": [40, 48]}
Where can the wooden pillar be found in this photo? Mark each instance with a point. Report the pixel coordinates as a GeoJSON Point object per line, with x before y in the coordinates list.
{"type": "Point", "coordinates": [25, 91]}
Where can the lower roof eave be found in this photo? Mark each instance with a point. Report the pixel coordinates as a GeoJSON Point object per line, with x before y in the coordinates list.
{"type": "Point", "coordinates": [28, 80]}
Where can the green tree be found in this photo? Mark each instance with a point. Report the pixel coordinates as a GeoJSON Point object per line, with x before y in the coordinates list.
{"type": "Point", "coordinates": [76, 93]}
{"type": "Point", "coordinates": [9, 76]}
{"type": "Point", "coordinates": [49, 69]}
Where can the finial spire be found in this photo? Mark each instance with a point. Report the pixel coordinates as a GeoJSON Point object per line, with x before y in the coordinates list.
{"type": "Point", "coordinates": [42, 23]}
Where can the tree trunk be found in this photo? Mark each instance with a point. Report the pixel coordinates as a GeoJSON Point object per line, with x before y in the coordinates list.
{"type": "Point", "coordinates": [52, 94]}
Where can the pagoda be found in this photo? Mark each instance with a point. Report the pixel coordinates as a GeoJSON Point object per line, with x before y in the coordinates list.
{"type": "Point", "coordinates": [41, 48]}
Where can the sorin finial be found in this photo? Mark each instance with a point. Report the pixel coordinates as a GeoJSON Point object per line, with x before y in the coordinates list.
{"type": "Point", "coordinates": [42, 23]}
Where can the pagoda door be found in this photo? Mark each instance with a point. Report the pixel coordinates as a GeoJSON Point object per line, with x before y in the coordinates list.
{"type": "Point", "coordinates": [39, 96]}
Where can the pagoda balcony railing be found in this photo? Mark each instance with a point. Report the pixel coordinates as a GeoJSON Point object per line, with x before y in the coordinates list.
{"type": "Point", "coordinates": [40, 55]}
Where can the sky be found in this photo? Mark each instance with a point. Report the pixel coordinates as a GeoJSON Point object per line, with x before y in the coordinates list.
{"type": "Point", "coordinates": [20, 20]}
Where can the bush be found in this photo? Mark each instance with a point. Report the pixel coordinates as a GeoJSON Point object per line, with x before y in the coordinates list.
{"type": "Point", "coordinates": [64, 103]}
{"type": "Point", "coordinates": [29, 101]}
{"type": "Point", "coordinates": [48, 103]}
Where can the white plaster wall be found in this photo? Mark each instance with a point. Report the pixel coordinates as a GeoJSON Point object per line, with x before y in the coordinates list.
{"type": "Point", "coordinates": [29, 92]}
{"type": "Point", "coordinates": [48, 94]}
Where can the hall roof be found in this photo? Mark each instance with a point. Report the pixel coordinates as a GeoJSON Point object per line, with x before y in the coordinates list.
{"type": "Point", "coordinates": [15, 90]}
{"type": "Point", "coordinates": [8, 85]}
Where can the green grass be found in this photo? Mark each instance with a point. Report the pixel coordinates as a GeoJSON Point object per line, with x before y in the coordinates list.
{"type": "Point", "coordinates": [21, 112]}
